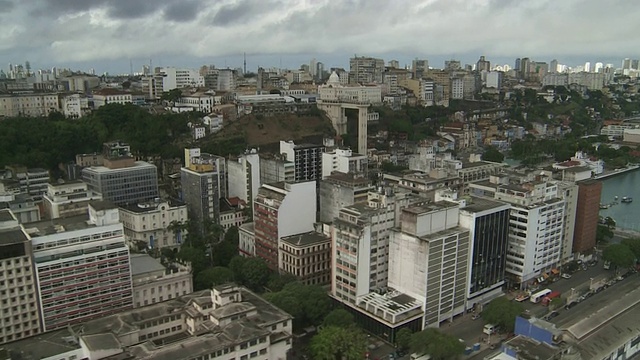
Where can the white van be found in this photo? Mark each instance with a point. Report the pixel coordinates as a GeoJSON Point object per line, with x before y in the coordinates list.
{"type": "Point", "coordinates": [489, 329]}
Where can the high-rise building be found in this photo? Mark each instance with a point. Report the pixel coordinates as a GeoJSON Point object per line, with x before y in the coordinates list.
{"type": "Point", "coordinates": [244, 176]}
{"type": "Point", "coordinates": [18, 286]}
{"type": "Point", "coordinates": [587, 212]}
{"type": "Point", "coordinates": [281, 210]}
{"type": "Point", "coordinates": [67, 199]}
{"type": "Point", "coordinates": [307, 159]}
{"type": "Point", "coordinates": [483, 65]}
{"type": "Point", "coordinates": [568, 191]}
{"type": "Point", "coordinates": [419, 68]}
{"type": "Point", "coordinates": [204, 182]}
{"type": "Point", "coordinates": [340, 190]}
{"type": "Point", "coordinates": [82, 266]}
{"type": "Point", "coordinates": [587, 66]}
{"type": "Point", "coordinates": [365, 70]}
{"type": "Point", "coordinates": [429, 260]}
{"type": "Point", "coordinates": [553, 66]}
{"type": "Point", "coordinates": [634, 64]}
{"type": "Point", "coordinates": [626, 64]}
{"type": "Point", "coordinates": [32, 181]}
{"type": "Point", "coordinates": [451, 65]}
{"type": "Point", "coordinates": [488, 224]}
{"type": "Point", "coordinates": [121, 179]}
{"type": "Point", "coordinates": [598, 67]}
{"type": "Point", "coordinates": [343, 161]}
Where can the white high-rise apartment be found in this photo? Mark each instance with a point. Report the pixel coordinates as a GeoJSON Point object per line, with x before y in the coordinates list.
{"type": "Point", "coordinates": [343, 161]}
{"type": "Point", "coordinates": [175, 78]}
{"type": "Point", "coordinates": [536, 228]}
{"type": "Point", "coordinates": [19, 309]}
{"type": "Point", "coordinates": [429, 258]}
{"type": "Point", "coordinates": [82, 266]}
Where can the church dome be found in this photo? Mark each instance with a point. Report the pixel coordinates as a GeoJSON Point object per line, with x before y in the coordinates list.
{"type": "Point", "coordinates": [334, 79]}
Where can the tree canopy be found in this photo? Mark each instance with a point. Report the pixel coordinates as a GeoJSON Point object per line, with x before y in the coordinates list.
{"type": "Point", "coordinates": [213, 276]}
{"type": "Point", "coordinates": [339, 343]}
{"type": "Point", "coordinates": [403, 338]}
{"type": "Point", "coordinates": [620, 255]}
{"type": "Point", "coordinates": [436, 344]}
{"type": "Point", "coordinates": [633, 245]}
{"type": "Point", "coordinates": [339, 318]}
{"type": "Point", "coordinates": [492, 154]}
{"type": "Point", "coordinates": [502, 312]}
{"type": "Point", "coordinates": [308, 304]}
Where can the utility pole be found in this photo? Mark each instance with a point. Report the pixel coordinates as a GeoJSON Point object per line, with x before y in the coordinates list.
{"type": "Point", "coordinates": [244, 70]}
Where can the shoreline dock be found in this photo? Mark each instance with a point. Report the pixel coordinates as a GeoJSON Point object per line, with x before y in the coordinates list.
{"type": "Point", "coordinates": [617, 172]}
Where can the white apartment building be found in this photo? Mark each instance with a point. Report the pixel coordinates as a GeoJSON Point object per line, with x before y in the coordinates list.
{"type": "Point", "coordinates": [149, 223]}
{"type": "Point", "coordinates": [247, 240]}
{"type": "Point", "coordinates": [225, 323]}
{"type": "Point", "coordinates": [617, 130]}
{"type": "Point", "coordinates": [110, 96]}
{"type": "Point", "coordinates": [202, 102]}
{"type": "Point", "coordinates": [75, 106]}
{"type": "Point", "coordinates": [428, 260]}
{"type": "Point", "coordinates": [536, 227]}
{"type": "Point", "coordinates": [20, 313]}
{"type": "Point", "coordinates": [334, 91]}
{"type": "Point", "coordinates": [29, 105]}
{"type": "Point", "coordinates": [67, 199]}
{"type": "Point", "coordinates": [226, 80]}
{"type": "Point", "coordinates": [344, 161]}
{"type": "Point", "coordinates": [82, 265]}
{"type": "Point", "coordinates": [244, 176]}
{"type": "Point", "coordinates": [568, 191]}
{"type": "Point", "coordinates": [360, 243]}
{"type": "Point", "coordinates": [175, 78]}
{"type": "Point", "coordinates": [494, 79]}
{"type": "Point", "coordinates": [154, 283]}
{"type": "Point", "coordinates": [457, 88]}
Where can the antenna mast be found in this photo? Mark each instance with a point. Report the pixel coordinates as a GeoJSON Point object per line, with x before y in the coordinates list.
{"type": "Point", "coordinates": [245, 63]}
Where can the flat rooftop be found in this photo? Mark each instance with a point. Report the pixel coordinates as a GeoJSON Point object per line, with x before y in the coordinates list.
{"type": "Point", "coordinates": [528, 349]}
{"type": "Point", "coordinates": [5, 215]}
{"type": "Point", "coordinates": [101, 205]}
{"type": "Point", "coordinates": [12, 236]}
{"type": "Point", "coordinates": [143, 263]}
{"type": "Point", "coordinates": [136, 166]}
{"type": "Point", "coordinates": [48, 227]}
{"type": "Point", "coordinates": [478, 204]}
{"type": "Point", "coordinates": [42, 346]}
{"type": "Point", "coordinates": [427, 208]}
{"type": "Point", "coordinates": [306, 239]}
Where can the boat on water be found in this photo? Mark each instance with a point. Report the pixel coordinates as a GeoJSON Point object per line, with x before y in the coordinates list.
{"type": "Point", "coordinates": [627, 199]}
{"type": "Point", "coordinates": [616, 197]}
{"type": "Point", "coordinates": [604, 206]}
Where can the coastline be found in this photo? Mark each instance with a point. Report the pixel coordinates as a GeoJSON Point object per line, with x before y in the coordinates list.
{"type": "Point", "coordinates": [616, 172]}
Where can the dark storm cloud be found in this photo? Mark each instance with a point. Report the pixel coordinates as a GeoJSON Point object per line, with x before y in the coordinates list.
{"type": "Point", "coordinates": [182, 11]}
{"type": "Point", "coordinates": [117, 9]}
{"type": "Point", "coordinates": [6, 6]}
{"type": "Point", "coordinates": [243, 11]}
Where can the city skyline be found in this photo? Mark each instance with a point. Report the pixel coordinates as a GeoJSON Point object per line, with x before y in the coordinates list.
{"type": "Point", "coordinates": [108, 35]}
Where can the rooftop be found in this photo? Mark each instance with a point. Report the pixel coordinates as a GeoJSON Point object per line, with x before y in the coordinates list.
{"type": "Point", "coordinates": [481, 204]}
{"type": "Point", "coordinates": [143, 263]}
{"type": "Point", "coordinates": [13, 236]}
{"type": "Point", "coordinates": [5, 215]}
{"type": "Point", "coordinates": [136, 166]}
{"type": "Point", "coordinates": [147, 206]}
{"type": "Point", "coordinates": [48, 227]}
{"type": "Point", "coordinates": [43, 346]}
{"type": "Point", "coordinates": [306, 239]}
{"type": "Point", "coordinates": [101, 205]}
{"type": "Point", "coordinates": [528, 349]}
{"type": "Point", "coordinates": [427, 208]}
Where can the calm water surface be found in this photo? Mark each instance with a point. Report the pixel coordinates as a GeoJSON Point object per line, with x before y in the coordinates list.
{"type": "Point", "coordinates": [627, 216]}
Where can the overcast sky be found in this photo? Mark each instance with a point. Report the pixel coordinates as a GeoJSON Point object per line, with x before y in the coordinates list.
{"type": "Point", "coordinates": [108, 34]}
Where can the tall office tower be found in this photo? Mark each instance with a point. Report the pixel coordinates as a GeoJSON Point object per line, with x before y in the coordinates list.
{"type": "Point", "coordinates": [483, 65]}
{"type": "Point", "coordinates": [429, 260]}
{"type": "Point", "coordinates": [280, 210]}
{"type": "Point", "coordinates": [587, 67]}
{"type": "Point", "coordinates": [553, 66]}
{"type": "Point", "coordinates": [18, 290]}
{"type": "Point", "coordinates": [394, 64]}
{"type": "Point", "coordinates": [599, 67]}
{"type": "Point", "coordinates": [244, 176]}
{"type": "Point", "coordinates": [83, 266]}
{"type": "Point", "coordinates": [517, 64]}
{"type": "Point", "coordinates": [626, 64]}
{"type": "Point", "coordinates": [634, 64]}
{"type": "Point", "coordinates": [488, 224]}
{"type": "Point", "coordinates": [340, 190]}
{"type": "Point", "coordinates": [122, 180]}
{"type": "Point", "coordinates": [584, 237]}
{"type": "Point", "coordinates": [319, 71]}
{"type": "Point", "coordinates": [365, 70]}
{"type": "Point", "coordinates": [419, 68]}
{"type": "Point", "coordinates": [313, 67]}
{"type": "Point", "coordinates": [307, 159]}
{"type": "Point", "coordinates": [525, 64]}
{"type": "Point", "coordinates": [204, 182]}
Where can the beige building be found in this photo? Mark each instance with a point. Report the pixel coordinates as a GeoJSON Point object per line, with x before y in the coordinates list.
{"type": "Point", "coordinates": [67, 199]}
{"type": "Point", "coordinates": [307, 256]}
{"type": "Point", "coordinates": [20, 313]}
{"type": "Point", "coordinates": [225, 323]}
{"type": "Point", "coordinates": [148, 222]}
{"type": "Point", "coordinates": [110, 96]}
{"type": "Point", "coordinates": [247, 240]}
{"type": "Point", "coordinates": [154, 283]}
{"type": "Point", "coordinates": [30, 105]}
{"type": "Point", "coordinates": [85, 160]}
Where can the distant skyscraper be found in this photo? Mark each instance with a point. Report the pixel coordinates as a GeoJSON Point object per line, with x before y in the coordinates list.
{"type": "Point", "coordinates": [394, 64]}
{"type": "Point", "coordinates": [517, 65]}
{"type": "Point", "coordinates": [319, 71]}
{"type": "Point", "coordinates": [626, 64]}
{"type": "Point", "coordinates": [419, 68]}
{"type": "Point", "coordinates": [598, 67]}
{"type": "Point", "coordinates": [634, 64]}
{"type": "Point", "coordinates": [483, 64]}
{"type": "Point", "coordinates": [587, 67]}
{"type": "Point", "coordinates": [553, 66]}
{"type": "Point", "coordinates": [313, 67]}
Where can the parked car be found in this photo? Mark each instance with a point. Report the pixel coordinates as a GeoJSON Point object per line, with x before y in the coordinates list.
{"type": "Point", "coordinates": [475, 316]}
{"type": "Point", "coordinates": [570, 305]}
{"type": "Point", "coordinates": [566, 276]}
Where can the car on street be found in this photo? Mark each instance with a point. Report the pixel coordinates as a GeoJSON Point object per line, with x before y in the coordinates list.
{"type": "Point", "coordinates": [475, 316]}
{"type": "Point", "coordinates": [570, 305]}
{"type": "Point", "coordinates": [566, 276]}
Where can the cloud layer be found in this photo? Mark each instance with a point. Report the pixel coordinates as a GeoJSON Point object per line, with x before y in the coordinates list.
{"type": "Point", "coordinates": [102, 30]}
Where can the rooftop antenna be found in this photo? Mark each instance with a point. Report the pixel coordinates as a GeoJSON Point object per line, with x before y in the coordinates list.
{"type": "Point", "coordinates": [130, 67]}
{"type": "Point", "coordinates": [245, 63]}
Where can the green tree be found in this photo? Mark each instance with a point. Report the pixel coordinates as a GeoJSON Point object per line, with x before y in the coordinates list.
{"type": "Point", "coordinates": [336, 343]}
{"type": "Point", "coordinates": [502, 312]}
{"type": "Point", "coordinates": [278, 281]}
{"type": "Point", "coordinates": [312, 304]}
{"type": "Point", "coordinates": [236, 264]}
{"type": "Point", "coordinates": [492, 154]}
{"type": "Point", "coordinates": [619, 255]}
{"type": "Point", "coordinates": [338, 318]}
{"type": "Point", "coordinates": [633, 245]}
{"type": "Point", "coordinates": [172, 95]}
{"type": "Point", "coordinates": [603, 234]}
{"type": "Point", "coordinates": [609, 222]}
{"type": "Point", "coordinates": [255, 274]}
{"type": "Point", "coordinates": [436, 344]}
{"type": "Point", "coordinates": [193, 256]}
{"type": "Point", "coordinates": [227, 248]}
{"type": "Point", "coordinates": [403, 338]}
{"type": "Point", "coordinates": [213, 276]}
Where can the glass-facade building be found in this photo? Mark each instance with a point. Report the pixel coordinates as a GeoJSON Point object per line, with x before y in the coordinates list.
{"type": "Point", "coordinates": [126, 185]}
